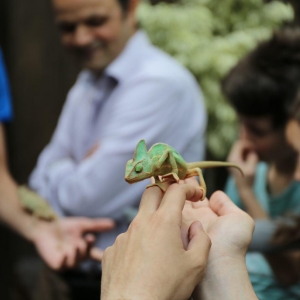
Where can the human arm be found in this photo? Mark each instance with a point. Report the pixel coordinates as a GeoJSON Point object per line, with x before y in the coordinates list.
{"type": "Point", "coordinates": [226, 274]}
{"type": "Point", "coordinates": [11, 212]}
{"type": "Point", "coordinates": [10, 209]}
{"type": "Point", "coordinates": [86, 187]}
{"type": "Point", "coordinates": [149, 261]}
{"type": "Point", "coordinates": [242, 155]}
{"type": "Point", "coordinates": [62, 243]}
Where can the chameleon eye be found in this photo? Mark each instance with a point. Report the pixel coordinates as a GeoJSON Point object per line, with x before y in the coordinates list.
{"type": "Point", "coordinates": [138, 168]}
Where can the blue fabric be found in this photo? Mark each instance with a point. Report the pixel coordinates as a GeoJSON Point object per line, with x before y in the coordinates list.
{"type": "Point", "coordinates": [5, 101]}
{"type": "Point", "coordinates": [261, 275]}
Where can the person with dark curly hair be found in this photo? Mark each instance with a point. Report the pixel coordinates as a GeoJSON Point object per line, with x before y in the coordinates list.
{"type": "Point", "coordinates": [261, 88]}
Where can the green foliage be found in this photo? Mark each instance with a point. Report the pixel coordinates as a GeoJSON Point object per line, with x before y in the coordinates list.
{"type": "Point", "coordinates": [209, 37]}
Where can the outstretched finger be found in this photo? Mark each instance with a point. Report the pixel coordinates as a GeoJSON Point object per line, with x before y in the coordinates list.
{"type": "Point", "coordinates": [95, 225]}
{"type": "Point", "coordinates": [81, 247]}
{"type": "Point", "coordinates": [72, 254]}
{"type": "Point", "coordinates": [174, 198]}
{"type": "Point", "coordinates": [151, 199]}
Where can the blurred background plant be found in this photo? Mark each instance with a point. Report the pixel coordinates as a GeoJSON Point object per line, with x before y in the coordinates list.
{"type": "Point", "coordinates": [209, 37]}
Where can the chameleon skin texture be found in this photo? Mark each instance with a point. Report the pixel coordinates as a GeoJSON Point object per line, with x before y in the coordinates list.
{"type": "Point", "coordinates": [163, 160]}
{"type": "Point", "coordinates": [35, 205]}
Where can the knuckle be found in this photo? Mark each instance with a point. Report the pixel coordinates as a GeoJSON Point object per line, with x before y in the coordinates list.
{"type": "Point", "coordinates": [201, 262]}
{"type": "Point", "coordinates": [120, 239]}
{"type": "Point", "coordinates": [134, 225]}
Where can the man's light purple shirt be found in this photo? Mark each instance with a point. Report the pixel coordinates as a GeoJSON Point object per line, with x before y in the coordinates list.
{"type": "Point", "coordinates": [143, 94]}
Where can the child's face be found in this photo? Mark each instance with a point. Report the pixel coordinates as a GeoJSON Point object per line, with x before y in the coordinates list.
{"type": "Point", "coordinates": [266, 140]}
{"type": "Point", "coordinates": [293, 137]}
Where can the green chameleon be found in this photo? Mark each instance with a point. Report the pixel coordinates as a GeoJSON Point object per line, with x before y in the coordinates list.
{"type": "Point", "coordinates": [163, 160]}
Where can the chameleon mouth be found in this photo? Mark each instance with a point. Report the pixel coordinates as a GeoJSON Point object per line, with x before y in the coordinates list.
{"type": "Point", "coordinates": [130, 180]}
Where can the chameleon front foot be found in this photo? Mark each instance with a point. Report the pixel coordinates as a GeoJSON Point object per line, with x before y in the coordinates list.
{"type": "Point", "coordinates": [170, 177]}
{"type": "Point", "coordinates": [159, 184]}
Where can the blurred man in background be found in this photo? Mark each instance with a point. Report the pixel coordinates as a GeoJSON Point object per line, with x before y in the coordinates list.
{"type": "Point", "coordinates": [128, 91]}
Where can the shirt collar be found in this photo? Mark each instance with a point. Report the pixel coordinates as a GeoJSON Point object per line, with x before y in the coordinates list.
{"type": "Point", "coordinates": [126, 62]}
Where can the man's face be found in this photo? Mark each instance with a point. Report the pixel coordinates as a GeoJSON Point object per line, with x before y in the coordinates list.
{"type": "Point", "coordinates": [96, 31]}
{"type": "Point", "coordinates": [268, 142]}
{"type": "Point", "coordinates": [293, 137]}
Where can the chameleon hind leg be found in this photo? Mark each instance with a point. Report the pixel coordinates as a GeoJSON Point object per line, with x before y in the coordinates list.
{"type": "Point", "coordinates": [157, 183]}
{"type": "Point", "coordinates": [198, 172]}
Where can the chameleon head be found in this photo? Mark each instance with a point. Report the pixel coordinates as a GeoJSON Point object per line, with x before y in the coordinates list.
{"type": "Point", "coordinates": [137, 170]}
{"type": "Point", "coordinates": [139, 167]}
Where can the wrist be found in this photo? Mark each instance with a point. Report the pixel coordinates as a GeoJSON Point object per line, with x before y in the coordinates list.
{"type": "Point", "coordinates": [226, 278]}
{"type": "Point", "coordinates": [222, 265]}
{"type": "Point", "coordinates": [133, 289]}
{"type": "Point", "coordinates": [35, 228]}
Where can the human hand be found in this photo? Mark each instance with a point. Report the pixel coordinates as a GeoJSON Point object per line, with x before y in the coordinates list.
{"type": "Point", "coordinates": [243, 155]}
{"type": "Point", "coordinates": [149, 261]}
{"type": "Point", "coordinates": [63, 243]}
{"type": "Point", "coordinates": [230, 230]}
{"type": "Point", "coordinates": [219, 217]}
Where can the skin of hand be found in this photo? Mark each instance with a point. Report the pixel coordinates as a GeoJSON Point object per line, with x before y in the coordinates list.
{"type": "Point", "coordinates": [64, 243]}
{"type": "Point", "coordinates": [149, 261]}
{"type": "Point", "coordinates": [219, 217]}
{"type": "Point", "coordinates": [230, 230]}
{"type": "Point", "coordinates": [242, 154]}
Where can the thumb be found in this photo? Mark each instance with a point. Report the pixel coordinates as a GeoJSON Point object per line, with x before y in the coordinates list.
{"type": "Point", "coordinates": [96, 254]}
{"type": "Point", "coordinates": [199, 241]}
{"type": "Point", "coordinates": [221, 204]}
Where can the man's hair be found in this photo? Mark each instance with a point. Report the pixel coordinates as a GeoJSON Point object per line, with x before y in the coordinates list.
{"type": "Point", "coordinates": [266, 81]}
